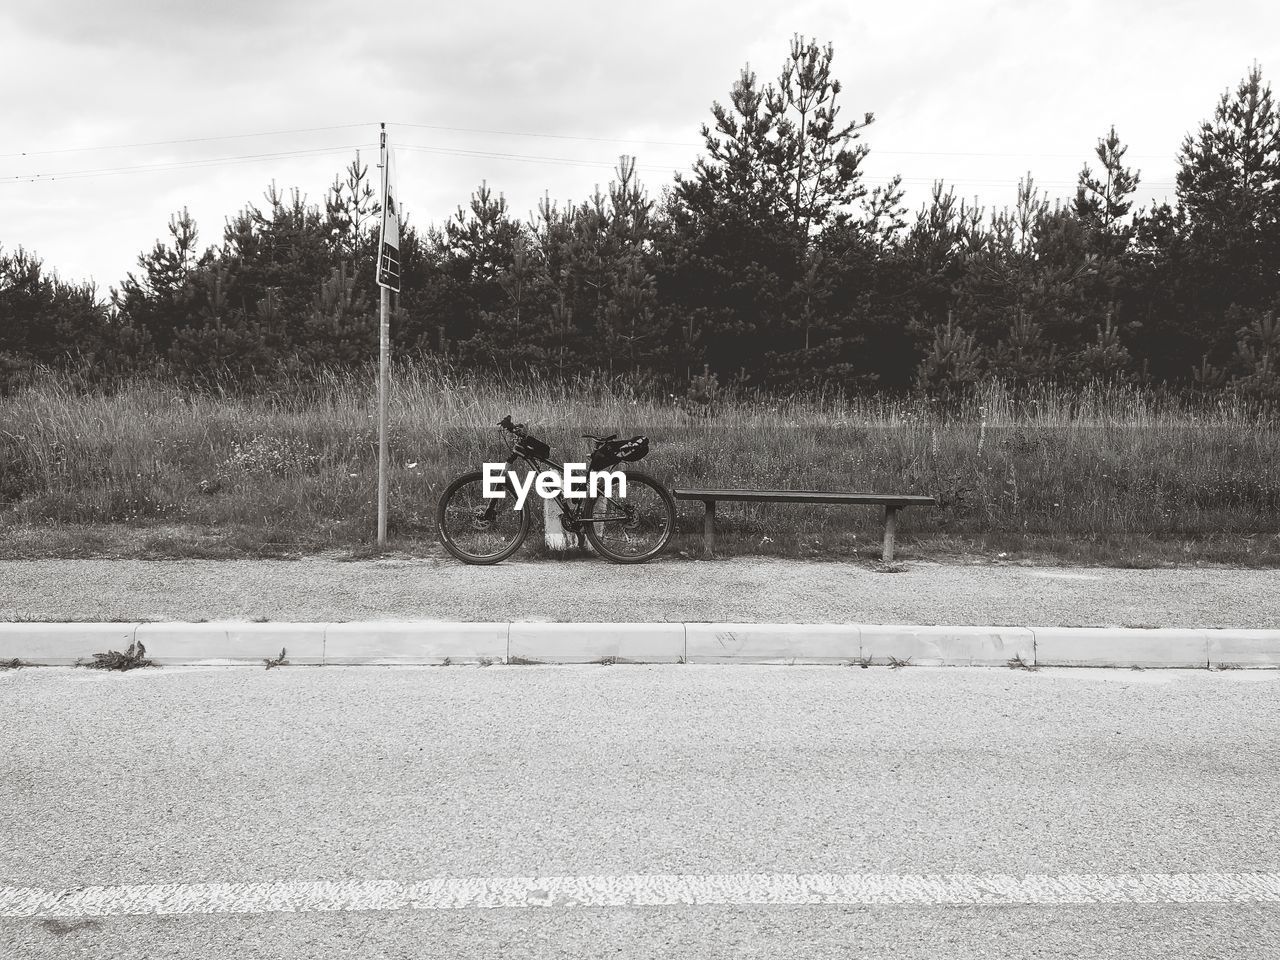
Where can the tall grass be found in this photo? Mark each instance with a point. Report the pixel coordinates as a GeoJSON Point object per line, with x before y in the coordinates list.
{"type": "Point", "coordinates": [1112, 474]}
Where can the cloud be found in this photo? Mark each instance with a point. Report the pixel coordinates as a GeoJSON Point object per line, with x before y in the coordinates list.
{"type": "Point", "coordinates": [1029, 85]}
{"type": "Point", "coordinates": [157, 26]}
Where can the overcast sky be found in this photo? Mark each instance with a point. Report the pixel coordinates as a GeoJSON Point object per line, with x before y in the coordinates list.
{"type": "Point", "coordinates": [118, 113]}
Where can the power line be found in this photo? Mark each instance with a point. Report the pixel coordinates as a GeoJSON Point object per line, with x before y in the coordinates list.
{"type": "Point", "coordinates": [690, 143]}
{"type": "Point", "coordinates": [522, 158]}
{"type": "Point", "coordinates": [475, 154]}
{"type": "Point", "coordinates": [488, 155]}
{"type": "Point", "coordinates": [1011, 181]}
{"type": "Point", "coordinates": [571, 161]}
{"type": "Point", "coordinates": [162, 143]}
{"type": "Point", "coordinates": [532, 134]}
{"type": "Point", "coordinates": [175, 165]}
{"type": "Point", "coordinates": [246, 158]}
{"type": "Point", "coordinates": [549, 136]}
{"type": "Point", "coordinates": [342, 126]}
{"type": "Point", "coordinates": [990, 153]}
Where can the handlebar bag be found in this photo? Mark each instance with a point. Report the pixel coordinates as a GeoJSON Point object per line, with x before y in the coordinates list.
{"type": "Point", "coordinates": [530, 446]}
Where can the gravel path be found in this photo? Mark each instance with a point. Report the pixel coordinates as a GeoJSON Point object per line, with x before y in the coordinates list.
{"type": "Point", "coordinates": [739, 590]}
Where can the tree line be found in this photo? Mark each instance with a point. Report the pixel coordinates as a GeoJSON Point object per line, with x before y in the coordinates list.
{"type": "Point", "coordinates": [771, 264]}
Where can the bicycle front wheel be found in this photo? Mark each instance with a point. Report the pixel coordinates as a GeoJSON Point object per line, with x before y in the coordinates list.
{"type": "Point", "coordinates": [632, 528]}
{"type": "Point", "coordinates": [476, 529]}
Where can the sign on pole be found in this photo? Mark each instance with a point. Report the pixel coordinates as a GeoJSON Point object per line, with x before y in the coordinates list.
{"type": "Point", "coordinates": [389, 234]}
{"type": "Point", "coordinates": [388, 278]}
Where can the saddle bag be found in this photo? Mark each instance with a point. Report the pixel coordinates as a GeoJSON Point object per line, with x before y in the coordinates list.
{"type": "Point", "coordinates": [610, 453]}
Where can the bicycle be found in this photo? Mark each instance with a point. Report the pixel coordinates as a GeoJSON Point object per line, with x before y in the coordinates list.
{"type": "Point", "coordinates": [625, 529]}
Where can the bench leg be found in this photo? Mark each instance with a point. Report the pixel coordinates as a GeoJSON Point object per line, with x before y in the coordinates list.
{"type": "Point", "coordinates": [890, 527]}
{"type": "Point", "coordinates": [709, 528]}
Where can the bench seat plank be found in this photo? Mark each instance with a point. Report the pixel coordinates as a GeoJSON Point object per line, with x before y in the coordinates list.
{"type": "Point", "coordinates": [891, 504]}
{"type": "Point", "coordinates": [806, 496]}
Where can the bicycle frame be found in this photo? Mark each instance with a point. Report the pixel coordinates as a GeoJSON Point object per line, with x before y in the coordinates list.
{"type": "Point", "coordinates": [570, 516]}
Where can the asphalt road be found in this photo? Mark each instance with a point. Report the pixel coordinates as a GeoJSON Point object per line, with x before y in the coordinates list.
{"type": "Point", "coordinates": [743, 590]}
{"type": "Point", "coordinates": [350, 789]}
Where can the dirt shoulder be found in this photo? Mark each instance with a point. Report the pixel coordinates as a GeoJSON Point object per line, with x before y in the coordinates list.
{"type": "Point", "coordinates": [737, 590]}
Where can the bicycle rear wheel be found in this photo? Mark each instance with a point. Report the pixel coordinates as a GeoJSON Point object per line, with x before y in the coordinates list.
{"type": "Point", "coordinates": [476, 529]}
{"type": "Point", "coordinates": [634, 528]}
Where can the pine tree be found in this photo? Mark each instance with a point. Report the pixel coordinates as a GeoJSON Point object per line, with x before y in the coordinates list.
{"type": "Point", "coordinates": [341, 327]}
{"type": "Point", "coordinates": [481, 238]}
{"type": "Point", "coordinates": [1257, 357]}
{"type": "Point", "coordinates": [220, 338]}
{"type": "Point", "coordinates": [746, 266]}
{"type": "Point", "coordinates": [1024, 356]}
{"type": "Point", "coordinates": [1106, 358]}
{"type": "Point", "coordinates": [45, 319]}
{"type": "Point", "coordinates": [820, 159]}
{"type": "Point", "coordinates": [935, 254]}
{"type": "Point", "coordinates": [350, 207]}
{"type": "Point", "coordinates": [1104, 206]}
{"type": "Point", "coordinates": [1104, 202]}
{"type": "Point", "coordinates": [1229, 171]}
{"type": "Point", "coordinates": [161, 301]}
{"type": "Point", "coordinates": [744, 165]}
{"type": "Point", "coordinates": [1228, 191]}
{"type": "Point", "coordinates": [954, 362]}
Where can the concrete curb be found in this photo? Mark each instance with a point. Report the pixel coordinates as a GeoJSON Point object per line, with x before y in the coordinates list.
{"type": "Point", "coordinates": [408, 642]}
{"type": "Point", "coordinates": [771, 643]}
{"type": "Point", "coordinates": [594, 642]}
{"type": "Point", "coordinates": [949, 646]}
{"type": "Point", "coordinates": [413, 642]}
{"type": "Point", "coordinates": [173, 643]}
{"type": "Point", "coordinates": [63, 643]}
{"type": "Point", "coordinates": [1100, 647]}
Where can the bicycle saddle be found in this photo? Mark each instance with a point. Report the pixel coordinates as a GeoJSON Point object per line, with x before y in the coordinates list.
{"type": "Point", "coordinates": [612, 436]}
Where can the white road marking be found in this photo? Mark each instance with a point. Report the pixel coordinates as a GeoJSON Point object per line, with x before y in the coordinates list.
{"type": "Point", "coordinates": [640, 891]}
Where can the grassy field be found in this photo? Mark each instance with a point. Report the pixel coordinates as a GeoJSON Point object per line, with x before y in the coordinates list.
{"type": "Point", "coordinates": [1110, 476]}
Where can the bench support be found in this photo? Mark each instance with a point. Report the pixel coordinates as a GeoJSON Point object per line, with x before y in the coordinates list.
{"type": "Point", "coordinates": [890, 527]}
{"type": "Point", "coordinates": [709, 529]}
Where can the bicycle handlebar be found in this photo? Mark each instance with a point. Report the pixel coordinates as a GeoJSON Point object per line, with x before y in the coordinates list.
{"type": "Point", "coordinates": [519, 429]}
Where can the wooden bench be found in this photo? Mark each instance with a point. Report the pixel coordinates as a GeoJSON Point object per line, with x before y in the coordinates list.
{"type": "Point", "coordinates": [891, 504]}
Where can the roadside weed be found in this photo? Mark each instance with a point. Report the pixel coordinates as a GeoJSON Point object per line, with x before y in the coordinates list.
{"type": "Point", "coordinates": [131, 659]}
